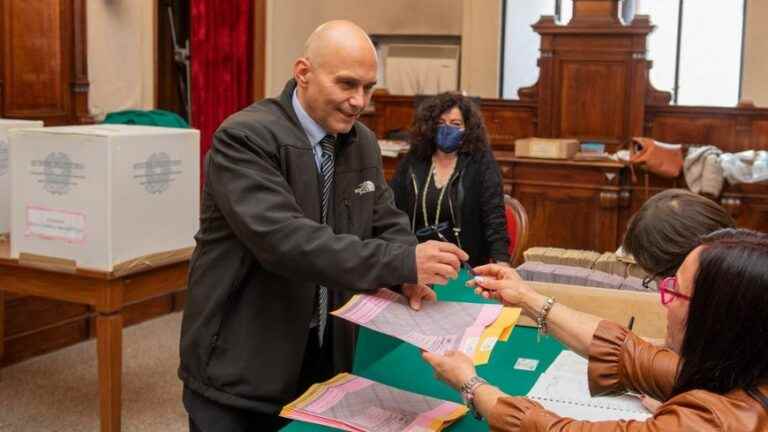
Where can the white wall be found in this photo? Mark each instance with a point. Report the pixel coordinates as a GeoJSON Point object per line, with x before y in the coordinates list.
{"type": "Point", "coordinates": [121, 55]}
{"type": "Point", "coordinates": [290, 22]}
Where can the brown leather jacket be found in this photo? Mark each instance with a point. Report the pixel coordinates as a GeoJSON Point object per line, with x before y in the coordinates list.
{"type": "Point", "coordinates": [620, 361]}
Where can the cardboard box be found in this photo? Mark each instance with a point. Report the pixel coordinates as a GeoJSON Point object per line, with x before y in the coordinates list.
{"type": "Point", "coordinates": [5, 183]}
{"type": "Point", "coordinates": [546, 148]}
{"type": "Point", "coordinates": [98, 196]}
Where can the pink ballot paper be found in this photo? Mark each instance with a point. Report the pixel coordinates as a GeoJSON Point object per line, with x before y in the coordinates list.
{"type": "Point", "coordinates": [438, 327]}
{"type": "Point", "coordinates": [353, 403]}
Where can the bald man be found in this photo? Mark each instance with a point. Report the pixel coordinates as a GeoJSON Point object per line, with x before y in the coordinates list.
{"type": "Point", "coordinates": [296, 216]}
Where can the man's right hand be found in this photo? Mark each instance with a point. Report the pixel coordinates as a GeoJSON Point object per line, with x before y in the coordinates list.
{"type": "Point", "coordinates": [438, 262]}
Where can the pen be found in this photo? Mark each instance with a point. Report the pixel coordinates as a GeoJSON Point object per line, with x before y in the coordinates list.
{"type": "Point", "coordinates": [468, 268]}
{"type": "Point", "coordinates": [631, 322]}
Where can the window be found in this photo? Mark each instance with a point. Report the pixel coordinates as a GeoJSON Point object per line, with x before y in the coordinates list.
{"type": "Point", "coordinates": [696, 47]}
{"type": "Point", "coordinates": [520, 44]}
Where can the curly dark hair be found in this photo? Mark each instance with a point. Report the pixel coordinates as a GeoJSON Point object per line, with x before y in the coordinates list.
{"type": "Point", "coordinates": [424, 126]}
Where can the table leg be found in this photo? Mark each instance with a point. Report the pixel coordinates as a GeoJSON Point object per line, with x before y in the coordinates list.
{"type": "Point", "coordinates": [2, 329]}
{"type": "Point", "coordinates": [109, 332]}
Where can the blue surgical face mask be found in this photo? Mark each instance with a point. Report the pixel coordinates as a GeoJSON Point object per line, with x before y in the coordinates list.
{"type": "Point", "coordinates": [448, 138]}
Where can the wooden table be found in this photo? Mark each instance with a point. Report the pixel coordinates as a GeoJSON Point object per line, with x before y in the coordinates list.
{"type": "Point", "coordinates": [108, 294]}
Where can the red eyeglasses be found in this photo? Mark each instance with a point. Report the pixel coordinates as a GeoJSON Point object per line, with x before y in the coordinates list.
{"type": "Point", "coordinates": [668, 291]}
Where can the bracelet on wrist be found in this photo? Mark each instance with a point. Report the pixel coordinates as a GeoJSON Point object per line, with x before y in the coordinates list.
{"type": "Point", "coordinates": [467, 391]}
{"type": "Point", "coordinates": [541, 318]}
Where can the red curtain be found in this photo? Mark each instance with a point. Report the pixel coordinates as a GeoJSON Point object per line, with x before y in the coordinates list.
{"type": "Point", "coordinates": [221, 51]}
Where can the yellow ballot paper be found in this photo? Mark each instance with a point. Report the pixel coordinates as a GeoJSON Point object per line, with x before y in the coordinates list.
{"type": "Point", "coordinates": [498, 331]}
{"type": "Point", "coordinates": [439, 327]}
{"type": "Point", "coordinates": [352, 403]}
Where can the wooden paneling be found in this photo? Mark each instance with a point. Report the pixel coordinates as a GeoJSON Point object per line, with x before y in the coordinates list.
{"type": "Point", "coordinates": [44, 340]}
{"type": "Point", "coordinates": [508, 122]}
{"type": "Point", "coordinates": [391, 112]}
{"type": "Point", "coordinates": [505, 120]}
{"type": "Point", "coordinates": [559, 197]}
{"type": "Point", "coordinates": [759, 136]}
{"type": "Point", "coordinates": [584, 110]}
{"type": "Point", "coordinates": [167, 93]}
{"type": "Point", "coordinates": [28, 314]}
{"type": "Point", "coordinates": [35, 326]}
{"type": "Point", "coordinates": [693, 130]}
{"type": "Point", "coordinates": [44, 70]}
{"type": "Point", "coordinates": [36, 76]}
{"type": "Point", "coordinates": [731, 129]}
{"type": "Point", "coordinates": [259, 48]}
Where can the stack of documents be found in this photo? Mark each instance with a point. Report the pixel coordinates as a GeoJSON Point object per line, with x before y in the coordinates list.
{"type": "Point", "coordinates": [564, 389]}
{"type": "Point", "coordinates": [438, 327]}
{"type": "Point", "coordinates": [353, 403]}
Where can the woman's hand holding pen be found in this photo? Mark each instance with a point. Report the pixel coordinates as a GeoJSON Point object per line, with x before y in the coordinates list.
{"type": "Point", "coordinates": [500, 283]}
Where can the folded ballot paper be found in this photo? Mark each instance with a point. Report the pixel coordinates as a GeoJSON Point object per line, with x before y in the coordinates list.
{"type": "Point", "coordinates": [438, 327]}
{"type": "Point", "coordinates": [353, 403]}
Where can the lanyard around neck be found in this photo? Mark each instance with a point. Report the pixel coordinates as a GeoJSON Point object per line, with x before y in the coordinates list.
{"type": "Point", "coordinates": [439, 199]}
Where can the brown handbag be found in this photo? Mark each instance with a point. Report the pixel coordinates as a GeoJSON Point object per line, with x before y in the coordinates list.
{"type": "Point", "coordinates": [665, 160]}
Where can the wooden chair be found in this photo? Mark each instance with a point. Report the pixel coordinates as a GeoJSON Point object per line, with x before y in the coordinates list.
{"type": "Point", "coordinates": [517, 228]}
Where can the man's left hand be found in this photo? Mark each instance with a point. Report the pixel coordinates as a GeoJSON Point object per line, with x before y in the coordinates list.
{"type": "Point", "coordinates": [417, 293]}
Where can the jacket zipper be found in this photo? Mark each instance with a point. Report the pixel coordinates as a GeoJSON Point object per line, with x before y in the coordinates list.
{"type": "Point", "coordinates": [415, 202]}
{"type": "Point", "coordinates": [348, 205]}
{"type": "Point", "coordinates": [227, 303]}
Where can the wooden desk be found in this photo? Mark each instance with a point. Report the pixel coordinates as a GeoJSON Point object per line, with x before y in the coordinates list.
{"type": "Point", "coordinates": [108, 294]}
{"type": "Point", "coordinates": [571, 204]}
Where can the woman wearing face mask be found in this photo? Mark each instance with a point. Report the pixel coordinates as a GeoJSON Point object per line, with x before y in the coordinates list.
{"type": "Point", "coordinates": [712, 377]}
{"type": "Point", "coordinates": [449, 183]}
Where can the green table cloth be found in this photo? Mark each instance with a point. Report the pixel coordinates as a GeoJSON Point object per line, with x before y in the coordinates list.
{"type": "Point", "coordinates": [387, 360]}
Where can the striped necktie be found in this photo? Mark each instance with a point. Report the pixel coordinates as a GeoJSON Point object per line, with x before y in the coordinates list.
{"type": "Point", "coordinates": [326, 169]}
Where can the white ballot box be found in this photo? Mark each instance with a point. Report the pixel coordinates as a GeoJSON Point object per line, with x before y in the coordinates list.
{"type": "Point", "coordinates": [99, 196]}
{"type": "Point", "coordinates": [5, 184]}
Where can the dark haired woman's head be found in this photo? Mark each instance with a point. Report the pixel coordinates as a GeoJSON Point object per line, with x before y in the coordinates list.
{"type": "Point", "coordinates": [452, 109]}
{"type": "Point", "coordinates": [668, 226]}
{"type": "Point", "coordinates": [721, 331]}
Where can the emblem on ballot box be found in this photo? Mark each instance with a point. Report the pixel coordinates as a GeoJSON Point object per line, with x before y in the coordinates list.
{"type": "Point", "coordinates": [58, 173]}
{"type": "Point", "coordinates": [157, 173]}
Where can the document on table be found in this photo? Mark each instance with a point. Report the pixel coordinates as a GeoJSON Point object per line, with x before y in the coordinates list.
{"type": "Point", "coordinates": [564, 389]}
{"type": "Point", "coordinates": [353, 403]}
{"type": "Point", "coordinates": [438, 327]}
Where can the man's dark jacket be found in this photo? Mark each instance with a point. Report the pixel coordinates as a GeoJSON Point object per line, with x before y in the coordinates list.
{"type": "Point", "coordinates": [261, 252]}
{"type": "Point", "coordinates": [475, 193]}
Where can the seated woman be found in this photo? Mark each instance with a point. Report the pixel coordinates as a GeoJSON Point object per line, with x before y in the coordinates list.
{"type": "Point", "coordinates": [668, 227]}
{"type": "Point", "coordinates": [449, 183]}
{"type": "Point", "coordinates": [713, 376]}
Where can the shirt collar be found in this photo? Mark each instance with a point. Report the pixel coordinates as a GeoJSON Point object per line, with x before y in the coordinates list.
{"type": "Point", "coordinates": [314, 131]}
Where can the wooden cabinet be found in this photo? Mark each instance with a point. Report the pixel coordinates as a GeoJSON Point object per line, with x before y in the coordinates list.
{"type": "Point", "coordinates": [43, 61]}
{"type": "Point", "coordinates": [569, 204]}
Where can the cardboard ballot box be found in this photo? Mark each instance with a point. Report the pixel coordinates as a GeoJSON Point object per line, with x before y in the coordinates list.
{"type": "Point", "coordinates": [99, 196]}
{"type": "Point", "coordinates": [5, 184]}
{"type": "Point", "coordinates": [546, 148]}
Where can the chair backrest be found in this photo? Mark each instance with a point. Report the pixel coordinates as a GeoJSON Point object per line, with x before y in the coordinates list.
{"type": "Point", "coordinates": [517, 228]}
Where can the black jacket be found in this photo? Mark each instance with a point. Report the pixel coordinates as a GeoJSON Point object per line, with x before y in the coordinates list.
{"type": "Point", "coordinates": [476, 189]}
{"type": "Point", "coordinates": [261, 252]}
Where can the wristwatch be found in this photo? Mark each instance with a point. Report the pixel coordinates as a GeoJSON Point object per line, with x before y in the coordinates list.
{"type": "Point", "coordinates": [467, 391]}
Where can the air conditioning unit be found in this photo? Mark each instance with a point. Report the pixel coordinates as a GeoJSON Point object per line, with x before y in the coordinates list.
{"type": "Point", "coordinates": [421, 69]}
